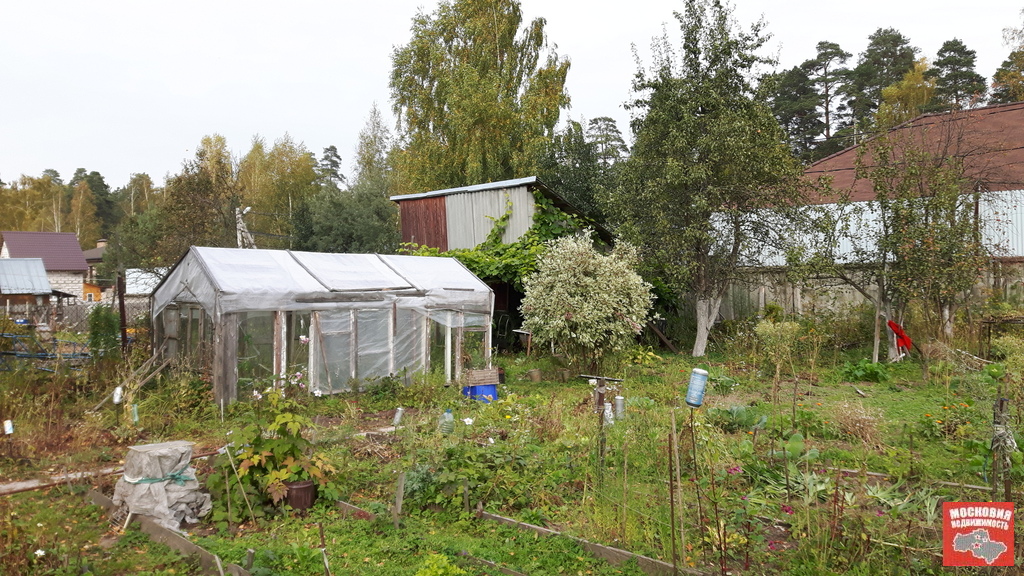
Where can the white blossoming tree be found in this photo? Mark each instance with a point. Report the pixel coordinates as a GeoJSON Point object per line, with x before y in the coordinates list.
{"type": "Point", "coordinates": [588, 304]}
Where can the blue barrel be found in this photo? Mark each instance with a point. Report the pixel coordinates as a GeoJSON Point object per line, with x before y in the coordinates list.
{"type": "Point", "coordinates": [483, 392]}
{"type": "Point", "coordinates": [695, 391]}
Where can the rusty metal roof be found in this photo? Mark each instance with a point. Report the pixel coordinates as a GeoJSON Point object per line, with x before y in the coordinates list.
{"type": "Point", "coordinates": [59, 250]}
{"type": "Point", "coordinates": [989, 140]}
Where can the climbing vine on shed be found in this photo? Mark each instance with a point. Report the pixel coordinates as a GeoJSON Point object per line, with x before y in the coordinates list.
{"type": "Point", "coordinates": [511, 263]}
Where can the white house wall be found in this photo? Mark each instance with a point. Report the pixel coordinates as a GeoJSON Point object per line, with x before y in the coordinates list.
{"type": "Point", "coordinates": [67, 282]}
{"type": "Point", "coordinates": [1001, 215]}
{"type": "Point", "coordinates": [471, 215]}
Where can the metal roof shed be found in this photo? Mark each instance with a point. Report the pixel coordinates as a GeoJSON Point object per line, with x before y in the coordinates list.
{"type": "Point", "coordinates": [23, 276]}
{"type": "Point", "coordinates": [251, 314]}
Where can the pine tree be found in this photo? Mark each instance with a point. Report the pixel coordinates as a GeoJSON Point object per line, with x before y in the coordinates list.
{"type": "Point", "coordinates": [794, 102]}
{"type": "Point", "coordinates": [886, 59]}
{"type": "Point", "coordinates": [957, 84]}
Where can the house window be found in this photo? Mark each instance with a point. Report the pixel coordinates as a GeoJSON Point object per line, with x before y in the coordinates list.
{"type": "Point", "coordinates": [88, 297]}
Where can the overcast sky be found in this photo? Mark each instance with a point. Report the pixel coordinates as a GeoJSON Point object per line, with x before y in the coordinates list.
{"type": "Point", "coordinates": [127, 86]}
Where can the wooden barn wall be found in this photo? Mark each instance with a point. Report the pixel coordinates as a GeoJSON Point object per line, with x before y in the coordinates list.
{"type": "Point", "coordinates": [424, 222]}
{"type": "Point", "coordinates": [471, 215]}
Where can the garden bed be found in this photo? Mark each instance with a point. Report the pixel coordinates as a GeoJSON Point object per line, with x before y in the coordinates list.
{"type": "Point", "coordinates": [785, 477]}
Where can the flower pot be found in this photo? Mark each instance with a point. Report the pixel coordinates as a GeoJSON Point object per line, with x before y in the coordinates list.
{"type": "Point", "coordinates": [301, 494]}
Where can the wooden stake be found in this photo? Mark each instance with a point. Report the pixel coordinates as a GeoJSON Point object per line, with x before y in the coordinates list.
{"type": "Point", "coordinates": [227, 450]}
{"type": "Point", "coordinates": [396, 511]}
{"type": "Point", "coordinates": [672, 508]}
{"type": "Point", "coordinates": [696, 481]}
{"type": "Point", "coordinates": [625, 488]}
{"type": "Point", "coordinates": [679, 483]}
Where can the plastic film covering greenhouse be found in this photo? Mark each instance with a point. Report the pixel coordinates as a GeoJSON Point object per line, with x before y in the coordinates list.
{"type": "Point", "coordinates": [343, 319]}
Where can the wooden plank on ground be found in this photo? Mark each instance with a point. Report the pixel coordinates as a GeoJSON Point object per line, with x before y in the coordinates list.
{"type": "Point", "coordinates": [208, 562]}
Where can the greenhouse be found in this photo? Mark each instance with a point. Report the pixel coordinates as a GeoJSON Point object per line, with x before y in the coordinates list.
{"type": "Point", "coordinates": [343, 319]}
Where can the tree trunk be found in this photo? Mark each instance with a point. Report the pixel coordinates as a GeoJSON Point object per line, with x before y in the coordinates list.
{"type": "Point", "coordinates": [707, 312]}
{"type": "Point", "coordinates": [947, 311]}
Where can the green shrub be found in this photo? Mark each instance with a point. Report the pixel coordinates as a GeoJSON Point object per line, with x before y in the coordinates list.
{"type": "Point", "coordinates": [864, 371]}
{"type": "Point", "coordinates": [104, 333]}
{"type": "Point", "coordinates": [590, 305]}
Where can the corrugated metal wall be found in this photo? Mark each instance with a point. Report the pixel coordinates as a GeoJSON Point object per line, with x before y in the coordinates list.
{"type": "Point", "coordinates": [1003, 215]}
{"type": "Point", "coordinates": [471, 215]}
{"type": "Point", "coordinates": [423, 222]}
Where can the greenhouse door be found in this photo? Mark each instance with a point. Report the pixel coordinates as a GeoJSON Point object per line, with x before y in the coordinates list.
{"type": "Point", "coordinates": [332, 352]}
{"type": "Point", "coordinates": [375, 335]}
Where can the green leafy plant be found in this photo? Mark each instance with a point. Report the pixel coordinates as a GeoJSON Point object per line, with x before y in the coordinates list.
{"type": "Point", "coordinates": [642, 355]}
{"type": "Point", "coordinates": [439, 565]}
{"type": "Point", "coordinates": [952, 420]}
{"type": "Point", "coordinates": [275, 452]}
{"type": "Point", "coordinates": [736, 418]}
{"type": "Point", "coordinates": [777, 341]}
{"type": "Point", "coordinates": [864, 371]}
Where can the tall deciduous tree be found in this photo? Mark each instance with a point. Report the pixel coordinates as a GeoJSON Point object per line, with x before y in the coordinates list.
{"type": "Point", "coordinates": [138, 195]}
{"type": "Point", "coordinates": [19, 208]}
{"type": "Point", "coordinates": [709, 164]}
{"type": "Point", "coordinates": [1008, 81]}
{"type": "Point", "coordinates": [44, 203]}
{"type": "Point", "coordinates": [907, 98]}
{"type": "Point", "coordinates": [199, 209]}
{"type": "Point", "coordinates": [106, 207]}
{"type": "Point", "coordinates": [957, 84]}
{"type": "Point", "coordinates": [82, 215]}
{"type": "Point", "coordinates": [477, 95]}
{"type": "Point", "coordinates": [372, 166]}
{"type": "Point", "coordinates": [275, 183]}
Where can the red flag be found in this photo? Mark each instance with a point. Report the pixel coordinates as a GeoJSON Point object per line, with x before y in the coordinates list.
{"type": "Point", "coordinates": [903, 342]}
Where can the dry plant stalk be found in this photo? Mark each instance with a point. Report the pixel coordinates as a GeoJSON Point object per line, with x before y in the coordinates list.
{"type": "Point", "coordinates": [854, 420]}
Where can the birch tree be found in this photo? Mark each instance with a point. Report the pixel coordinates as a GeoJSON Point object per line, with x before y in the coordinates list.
{"type": "Point", "coordinates": [477, 93]}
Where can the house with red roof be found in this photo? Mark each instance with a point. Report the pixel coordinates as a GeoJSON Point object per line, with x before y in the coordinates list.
{"type": "Point", "coordinates": [61, 255]}
{"type": "Point", "coordinates": [989, 144]}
